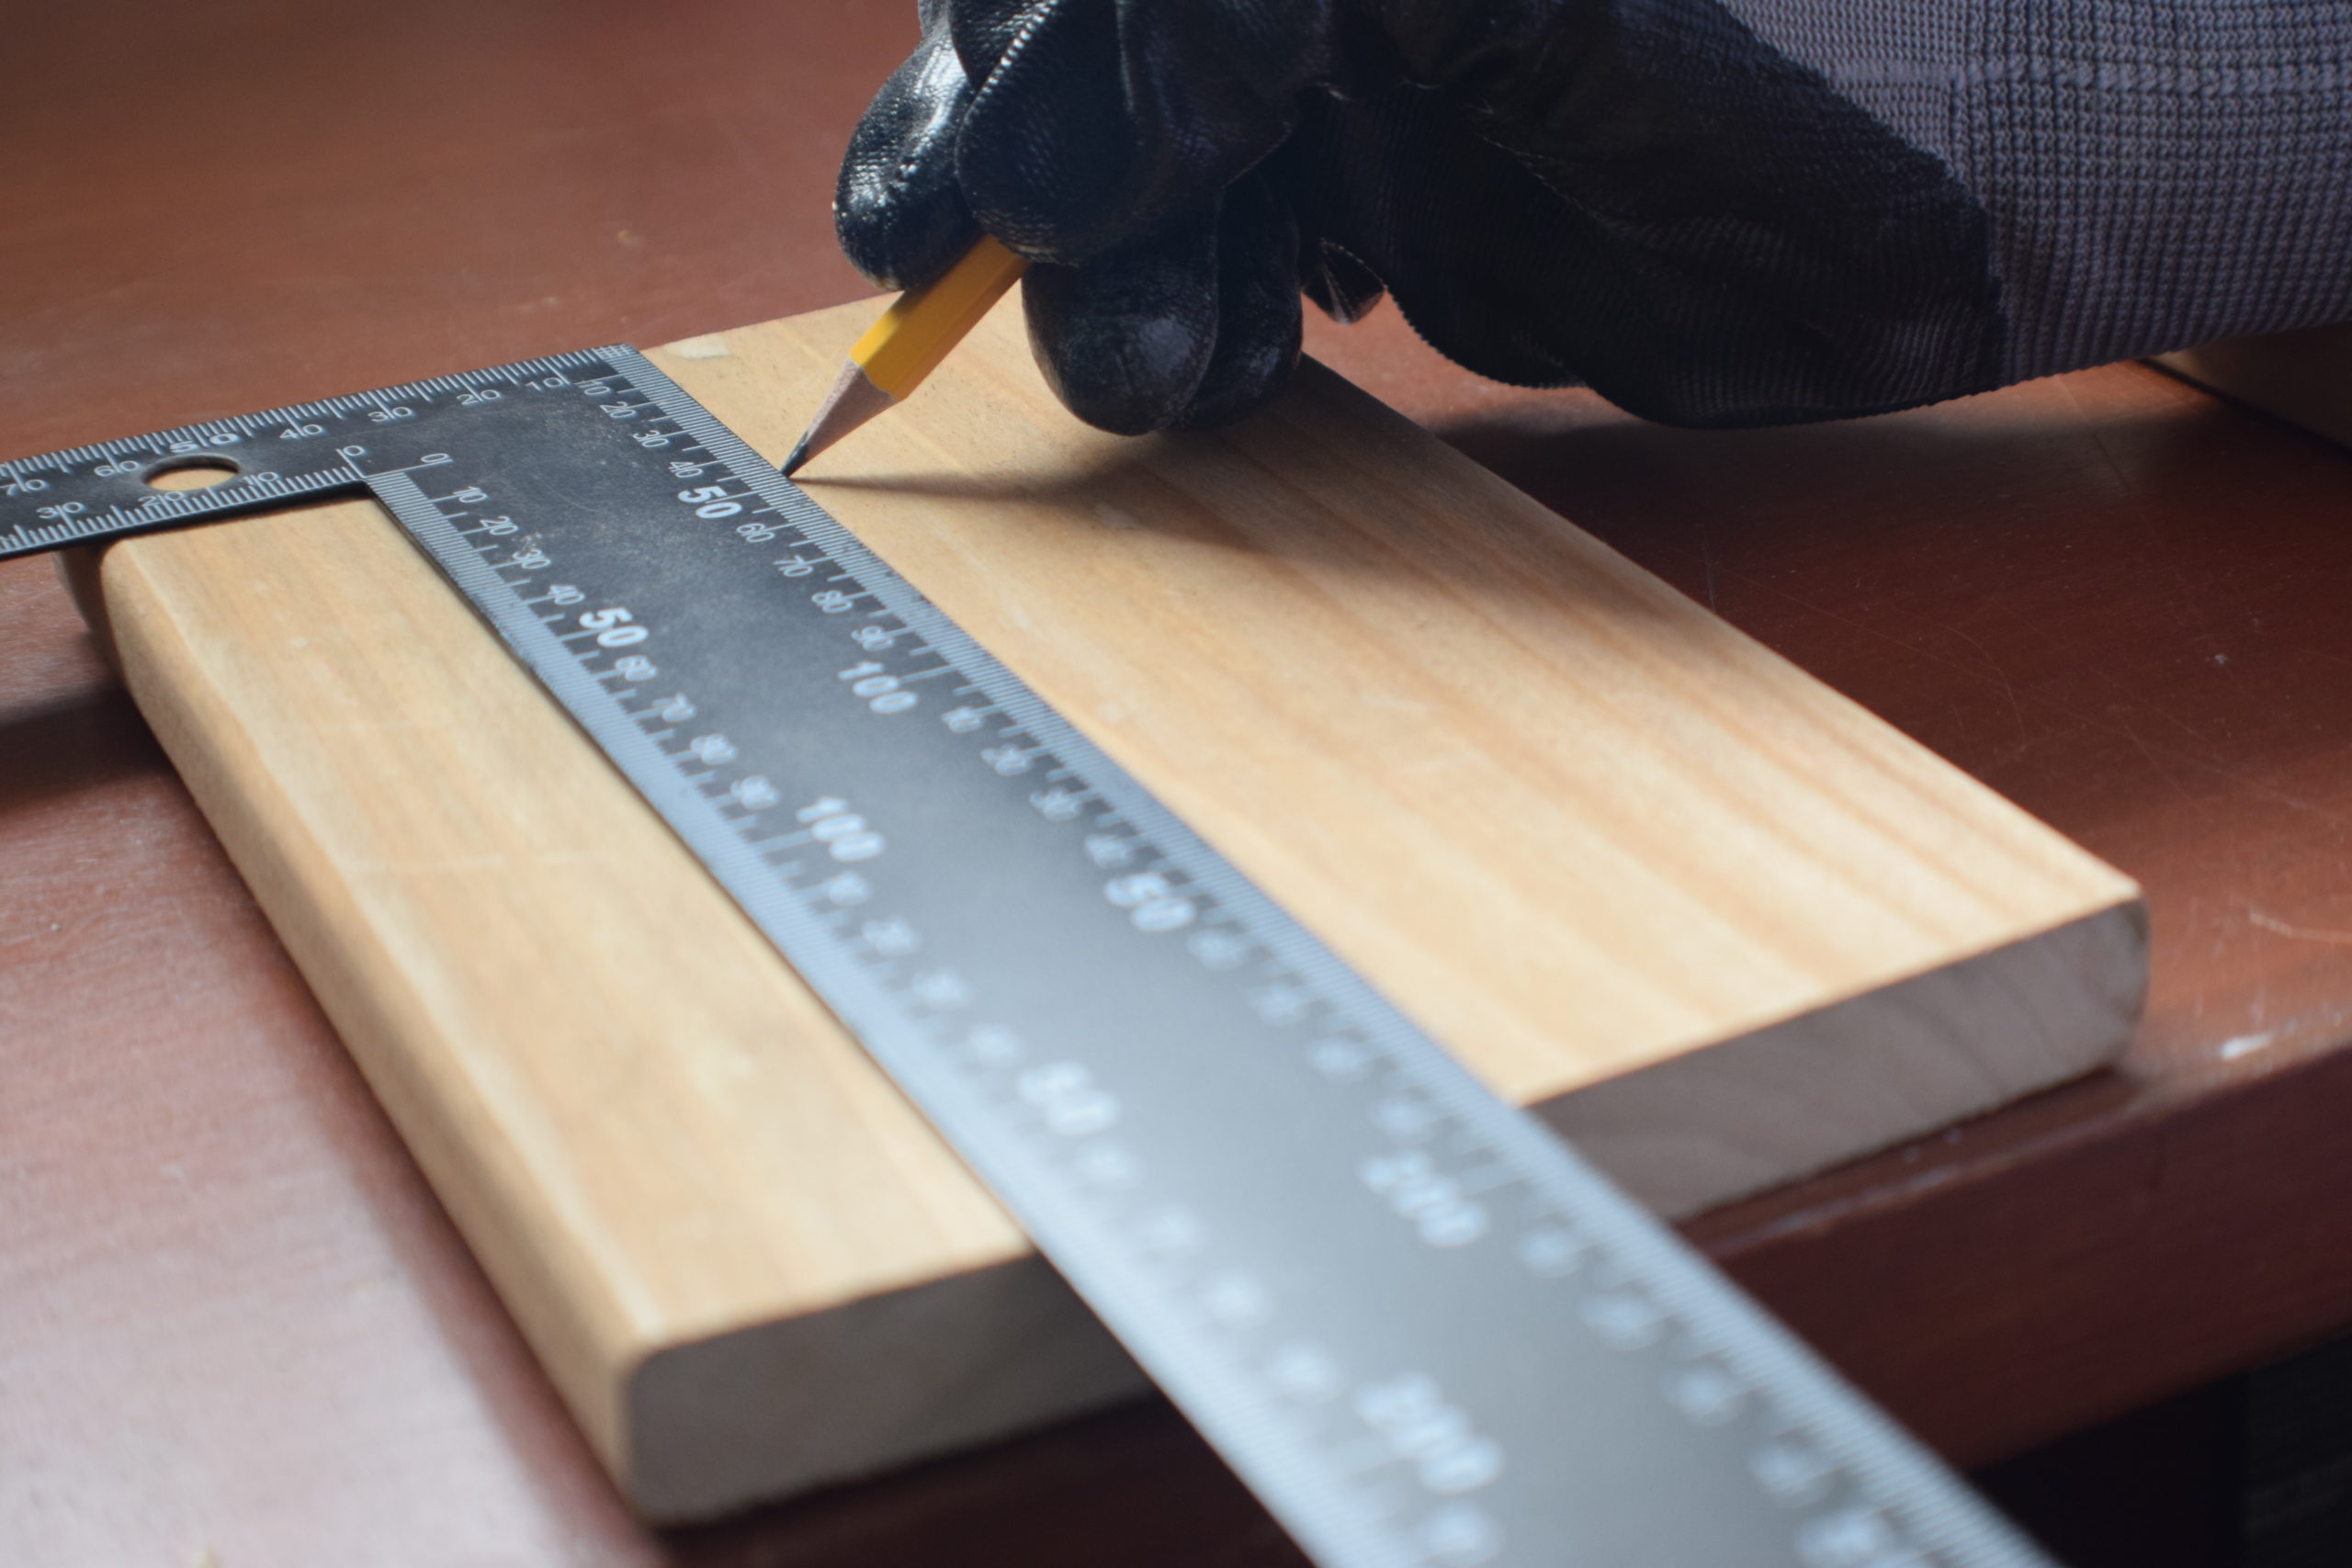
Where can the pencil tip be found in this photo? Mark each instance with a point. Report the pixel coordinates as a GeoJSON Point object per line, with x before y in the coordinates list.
{"type": "Point", "coordinates": [854, 399]}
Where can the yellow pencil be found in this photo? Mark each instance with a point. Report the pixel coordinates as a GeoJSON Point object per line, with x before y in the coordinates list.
{"type": "Point", "coordinates": [913, 336]}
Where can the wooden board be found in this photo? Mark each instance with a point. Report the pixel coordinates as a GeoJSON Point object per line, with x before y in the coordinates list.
{"type": "Point", "coordinates": [1714, 920]}
{"type": "Point", "coordinates": [2305, 377]}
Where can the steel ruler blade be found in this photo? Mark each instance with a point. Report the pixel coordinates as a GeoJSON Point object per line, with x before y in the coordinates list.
{"type": "Point", "coordinates": [1421, 1328]}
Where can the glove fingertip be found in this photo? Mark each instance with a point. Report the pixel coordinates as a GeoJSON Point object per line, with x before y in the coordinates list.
{"type": "Point", "coordinates": [903, 240]}
{"type": "Point", "coordinates": [1259, 324]}
{"type": "Point", "coordinates": [897, 209]}
{"type": "Point", "coordinates": [1125, 339]}
{"type": "Point", "coordinates": [1246, 376]}
{"type": "Point", "coordinates": [1125, 369]}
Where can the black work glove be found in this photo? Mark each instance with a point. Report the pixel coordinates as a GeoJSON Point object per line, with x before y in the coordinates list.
{"type": "Point", "coordinates": [1715, 212]}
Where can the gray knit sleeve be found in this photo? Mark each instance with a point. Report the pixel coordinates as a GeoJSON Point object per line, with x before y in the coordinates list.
{"type": "Point", "coordinates": [2155, 172]}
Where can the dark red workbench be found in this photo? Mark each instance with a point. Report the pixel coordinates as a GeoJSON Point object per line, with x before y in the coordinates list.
{"type": "Point", "coordinates": [233, 1320]}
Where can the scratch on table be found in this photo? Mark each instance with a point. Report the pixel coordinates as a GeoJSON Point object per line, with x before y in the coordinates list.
{"type": "Point", "coordinates": [2154, 760]}
{"type": "Point", "coordinates": [1992, 669]}
{"type": "Point", "coordinates": [2300, 933]}
{"type": "Point", "coordinates": [2245, 1045]}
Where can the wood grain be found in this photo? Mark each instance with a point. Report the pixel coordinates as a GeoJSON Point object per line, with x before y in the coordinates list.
{"type": "Point", "coordinates": [1635, 870]}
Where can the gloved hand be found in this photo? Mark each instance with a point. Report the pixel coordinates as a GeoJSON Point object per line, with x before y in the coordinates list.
{"type": "Point", "coordinates": [1715, 212]}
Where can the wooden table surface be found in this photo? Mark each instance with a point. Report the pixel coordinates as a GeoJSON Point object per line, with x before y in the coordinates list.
{"type": "Point", "coordinates": [235, 1329]}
